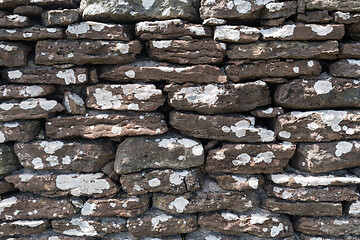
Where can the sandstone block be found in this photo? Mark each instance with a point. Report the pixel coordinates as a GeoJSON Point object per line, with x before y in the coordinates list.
{"type": "Point", "coordinates": [24, 91]}
{"type": "Point", "coordinates": [74, 104]}
{"type": "Point", "coordinates": [61, 17]}
{"type": "Point", "coordinates": [8, 160]}
{"type": "Point", "coordinates": [232, 182]}
{"type": "Point", "coordinates": [24, 228]}
{"type": "Point", "coordinates": [346, 68]}
{"type": "Point", "coordinates": [19, 131]}
{"type": "Point", "coordinates": [236, 34]}
{"type": "Point", "coordinates": [13, 54]}
{"type": "Point", "coordinates": [31, 34]}
{"type": "Point", "coordinates": [314, 17]}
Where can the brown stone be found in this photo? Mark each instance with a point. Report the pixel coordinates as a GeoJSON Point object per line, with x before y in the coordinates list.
{"type": "Point", "coordinates": [14, 20]}
{"type": "Point", "coordinates": [187, 51]}
{"type": "Point", "coordinates": [25, 206]}
{"type": "Point", "coordinates": [24, 91]}
{"type": "Point", "coordinates": [260, 223]}
{"type": "Point", "coordinates": [13, 3]}
{"type": "Point", "coordinates": [28, 10]}
{"type": "Point", "coordinates": [311, 237]}
{"type": "Point", "coordinates": [136, 97]}
{"type": "Point", "coordinates": [108, 169]}
{"type": "Point", "coordinates": [214, 22]}
{"type": "Point", "coordinates": [211, 98]}
{"type": "Point", "coordinates": [155, 71]}
{"type": "Point", "coordinates": [232, 128]}
{"type": "Point", "coordinates": [167, 181]}
{"type": "Point", "coordinates": [93, 78]}
{"type": "Point", "coordinates": [318, 126]}
{"type": "Point", "coordinates": [303, 208]}
{"type": "Point", "coordinates": [106, 125]}
{"type": "Point", "coordinates": [62, 17]}
{"type": "Point", "coordinates": [13, 54]}
{"type": "Point", "coordinates": [275, 80]}
{"type": "Point", "coordinates": [49, 52]}
{"type": "Point", "coordinates": [170, 29]}
{"type": "Point", "coordinates": [346, 68]}
{"type": "Point", "coordinates": [350, 50]}
{"type": "Point", "coordinates": [31, 34]}
{"type": "Point", "coordinates": [8, 160]}
{"type": "Point", "coordinates": [25, 228]}
{"type": "Point", "coordinates": [353, 31]}
{"type": "Point", "coordinates": [49, 235]}
{"type": "Point", "coordinates": [272, 22]}
{"type": "Point", "coordinates": [333, 5]}
{"type": "Point", "coordinates": [239, 72]}
{"type": "Point", "coordinates": [249, 158]}
{"type": "Point", "coordinates": [73, 103]}
{"type": "Point", "coordinates": [6, 187]}
{"type": "Point", "coordinates": [274, 10]}
{"type": "Point", "coordinates": [232, 182]}
{"type": "Point", "coordinates": [236, 34]}
{"type": "Point", "coordinates": [116, 207]}
{"type": "Point", "coordinates": [314, 17]}
{"type": "Point", "coordinates": [270, 112]}
{"type": "Point", "coordinates": [346, 17]}
{"type": "Point", "coordinates": [284, 49]}
{"type": "Point", "coordinates": [55, 3]}
{"type": "Point", "coordinates": [19, 131]}
{"type": "Point", "coordinates": [156, 223]}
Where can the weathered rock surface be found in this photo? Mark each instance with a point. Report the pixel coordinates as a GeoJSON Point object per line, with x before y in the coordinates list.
{"type": "Point", "coordinates": [216, 98]}
{"type": "Point", "coordinates": [6, 187]}
{"type": "Point", "coordinates": [236, 34]}
{"type": "Point", "coordinates": [314, 17]}
{"type": "Point", "coordinates": [154, 71]}
{"type": "Point", "coordinates": [106, 125]}
{"type": "Point", "coordinates": [346, 17]}
{"type": "Point", "coordinates": [156, 223]}
{"type": "Point", "coordinates": [232, 182]}
{"type": "Point", "coordinates": [13, 3]}
{"type": "Point", "coordinates": [78, 156]}
{"type": "Point", "coordinates": [98, 30]}
{"type": "Point", "coordinates": [13, 54]}
{"type": "Point", "coordinates": [85, 227]}
{"type": "Point", "coordinates": [249, 158]}
{"type": "Point", "coordinates": [284, 49]}
{"type": "Point", "coordinates": [354, 209]}
{"type": "Point", "coordinates": [278, 10]}
{"type": "Point", "coordinates": [25, 228]}
{"type": "Point", "coordinates": [14, 20]}
{"type": "Point", "coordinates": [61, 17]}
{"type": "Point", "coordinates": [350, 50]}
{"type": "Point", "coordinates": [8, 160]}
{"type": "Point", "coordinates": [128, 236]}
{"type": "Point", "coordinates": [20, 131]}
{"type": "Point", "coordinates": [317, 126]}
{"type": "Point", "coordinates": [24, 91]}
{"type": "Point", "coordinates": [28, 10]}
{"type": "Point", "coordinates": [303, 208]}
{"type": "Point", "coordinates": [311, 237]}
{"type": "Point", "coordinates": [46, 75]}
{"type": "Point", "coordinates": [122, 207]}
{"type": "Point", "coordinates": [270, 112]}
{"type": "Point", "coordinates": [167, 181]}
{"type": "Point", "coordinates": [31, 34]}
{"type": "Point", "coordinates": [241, 71]}
{"type": "Point", "coordinates": [166, 151]}
{"type": "Point", "coordinates": [232, 128]}
{"type": "Point", "coordinates": [137, 97]}
{"type": "Point", "coordinates": [25, 206]}
{"type": "Point", "coordinates": [346, 68]}
{"type": "Point", "coordinates": [259, 223]}
{"type": "Point", "coordinates": [73, 103]}
{"type": "Point", "coordinates": [170, 29]}
{"type": "Point", "coordinates": [354, 31]}
{"type": "Point", "coordinates": [49, 235]}
{"type": "Point", "coordinates": [187, 51]}
{"type": "Point", "coordinates": [55, 3]}
{"type": "Point", "coordinates": [57, 185]}
{"type": "Point", "coordinates": [79, 52]}
{"type": "Point", "coordinates": [136, 10]}
{"type": "Point", "coordinates": [108, 169]}
{"type": "Point", "coordinates": [333, 5]}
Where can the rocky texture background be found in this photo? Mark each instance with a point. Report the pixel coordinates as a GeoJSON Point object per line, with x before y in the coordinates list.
{"type": "Point", "coordinates": [180, 119]}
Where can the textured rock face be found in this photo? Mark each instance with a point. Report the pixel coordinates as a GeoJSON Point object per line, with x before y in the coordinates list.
{"type": "Point", "coordinates": [331, 5]}
{"type": "Point", "coordinates": [21, 227]}
{"type": "Point", "coordinates": [13, 54]}
{"type": "Point", "coordinates": [31, 34]}
{"type": "Point", "coordinates": [346, 68]}
{"type": "Point", "coordinates": [236, 34]}
{"type": "Point", "coordinates": [8, 160]}
{"type": "Point", "coordinates": [6, 187]}
{"type": "Point", "coordinates": [73, 103]}
{"type": "Point", "coordinates": [21, 131]}
{"type": "Point", "coordinates": [238, 182]}
{"type": "Point", "coordinates": [61, 17]}
{"type": "Point", "coordinates": [23, 91]}
{"type": "Point", "coordinates": [350, 50]}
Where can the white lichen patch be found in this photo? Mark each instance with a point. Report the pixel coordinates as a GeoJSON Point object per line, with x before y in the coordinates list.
{"type": "Point", "coordinates": [264, 157]}
{"type": "Point", "coordinates": [354, 209]}
{"type": "Point", "coordinates": [83, 228]}
{"type": "Point", "coordinates": [152, 26]}
{"type": "Point", "coordinates": [312, 181]}
{"type": "Point", "coordinates": [320, 30]}
{"type": "Point", "coordinates": [88, 208]}
{"type": "Point", "coordinates": [229, 216]}
{"type": "Point", "coordinates": [241, 160]}
{"type": "Point", "coordinates": [15, 74]}
{"type": "Point", "coordinates": [154, 182]}
{"type": "Point", "coordinates": [6, 203]}
{"type": "Point", "coordinates": [312, 126]}
{"type": "Point", "coordinates": [284, 134]}
{"type": "Point", "coordinates": [106, 100]}
{"type": "Point", "coordinates": [187, 143]}
{"type": "Point", "coordinates": [343, 148]}
{"type": "Point", "coordinates": [37, 163]}
{"type": "Point", "coordinates": [160, 44]}
{"type": "Point", "coordinates": [51, 147]}
{"type": "Point", "coordinates": [323, 86]}
{"type": "Point", "coordinates": [179, 204]}
{"type": "Point", "coordinates": [296, 69]}
{"type": "Point", "coordinates": [276, 230]}
{"type": "Point", "coordinates": [29, 223]}
{"type": "Point", "coordinates": [2, 137]}
{"type": "Point", "coordinates": [259, 218]}
{"type": "Point", "coordinates": [177, 178]}
{"type": "Point", "coordinates": [207, 95]}
{"type": "Point", "coordinates": [354, 62]}
{"type": "Point", "coordinates": [155, 221]}
{"type": "Point", "coordinates": [278, 32]}
{"type": "Point", "coordinates": [273, 7]}
{"type": "Point", "coordinates": [140, 91]}
{"type": "Point", "coordinates": [25, 177]}
{"type": "Point", "coordinates": [68, 75]}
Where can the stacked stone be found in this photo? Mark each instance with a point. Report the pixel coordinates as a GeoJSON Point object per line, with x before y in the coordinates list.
{"type": "Point", "coordinates": [211, 120]}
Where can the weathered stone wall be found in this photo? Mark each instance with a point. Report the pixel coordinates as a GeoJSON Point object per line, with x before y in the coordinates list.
{"type": "Point", "coordinates": [180, 119]}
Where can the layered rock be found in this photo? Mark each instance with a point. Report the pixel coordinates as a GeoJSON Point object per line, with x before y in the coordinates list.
{"type": "Point", "coordinates": [13, 54]}
{"type": "Point", "coordinates": [24, 91]}
{"type": "Point", "coordinates": [20, 131]}
{"type": "Point", "coordinates": [236, 34]}
{"type": "Point", "coordinates": [279, 10]}
{"type": "Point", "coordinates": [31, 34]}
{"type": "Point", "coordinates": [61, 17]}
{"type": "Point", "coordinates": [346, 68]}
{"type": "Point", "coordinates": [24, 228]}
{"type": "Point", "coordinates": [232, 182]}
{"type": "Point", "coordinates": [8, 160]}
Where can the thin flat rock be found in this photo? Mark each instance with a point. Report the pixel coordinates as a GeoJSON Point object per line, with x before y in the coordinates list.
{"type": "Point", "coordinates": [19, 131]}
{"type": "Point", "coordinates": [31, 34]}
{"type": "Point", "coordinates": [24, 91]}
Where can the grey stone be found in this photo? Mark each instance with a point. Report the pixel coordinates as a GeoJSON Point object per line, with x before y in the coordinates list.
{"type": "Point", "coordinates": [349, 68]}
{"type": "Point", "coordinates": [333, 5]}
{"type": "Point", "coordinates": [19, 131]}
{"type": "Point", "coordinates": [24, 228]}
{"type": "Point", "coordinates": [62, 17]}
{"type": "Point", "coordinates": [31, 34]}
{"type": "Point", "coordinates": [13, 54]}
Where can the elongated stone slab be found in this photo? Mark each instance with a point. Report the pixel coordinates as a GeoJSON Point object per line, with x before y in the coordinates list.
{"type": "Point", "coordinates": [13, 54]}
{"type": "Point", "coordinates": [333, 5]}
{"type": "Point", "coordinates": [327, 92]}
{"type": "Point", "coordinates": [236, 34]}
{"type": "Point", "coordinates": [28, 10]}
{"type": "Point", "coordinates": [170, 29]}
{"type": "Point", "coordinates": [350, 50]}
{"type": "Point", "coordinates": [55, 3]}
{"type": "Point", "coordinates": [284, 49]}
{"type": "Point", "coordinates": [156, 223]}
{"type": "Point", "coordinates": [25, 206]}
{"type": "Point", "coordinates": [19, 131]}
{"type": "Point", "coordinates": [14, 20]}
{"type": "Point", "coordinates": [167, 181]}
{"type": "Point", "coordinates": [346, 68]}
{"type": "Point", "coordinates": [8, 160]}
{"type": "Point", "coordinates": [46, 75]}
{"type": "Point", "coordinates": [31, 34]}
{"type": "Point", "coordinates": [346, 17]}
{"type": "Point", "coordinates": [240, 72]}
{"type": "Point", "coordinates": [260, 223]}
{"type": "Point", "coordinates": [318, 126]}
{"type": "Point", "coordinates": [232, 128]}
{"type": "Point", "coordinates": [232, 182]}
{"type": "Point", "coordinates": [166, 151]}
{"type": "Point", "coordinates": [187, 51]}
{"type": "Point", "coordinates": [78, 156]}
{"type": "Point", "coordinates": [98, 30]}
{"type": "Point", "coordinates": [311, 237]}
{"type": "Point", "coordinates": [270, 112]}
{"type": "Point", "coordinates": [49, 234]}
{"type": "Point", "coordinates": [80, 52]}
{"type": "Point", "coordinates": [278, 10]}
{"type": "Point", "coordinates": [249, 158]}
{"type": "Point", "coordinates": [106, 125]}
{"type": "Point", "coordinates": [215, 98]}
{"type": "Point", "coordinates": [24, 91]}
{"type": "Point", "coordinates": [155, 71]}
{"type": "Point", "coordinates": [24, 228]}
{"type": "Point", "coordinates": [136, 97]}
{"type": "Point", "coordinates": [122, 207]}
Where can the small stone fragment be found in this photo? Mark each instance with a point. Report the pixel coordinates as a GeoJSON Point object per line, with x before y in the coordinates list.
{"type": "Point", "coordinates": [346, 68]}
{"type": "Point", "coordinates": [236, 34]}
{"type": "Point", "coordinates": [214, 22]}
{"type": "Point", "coordinates": [275, 10]}
{"type": "Point", "coordinates": [346, 17]}
{"type": "Point", "coordinates": [108, 169]}
{"type": "Point", "coordinates": [31, 34]}
{"type": "Point", "coordinates": [19, 131]}
{"type": "Point", "coordinates": [73, 103]}
{"type": "Point", "coordinates": [24, 228]}
{"type": "Point", "coordinates": [63, 17]}
{"type": "Point", "coordinates": [13, 54]}
{"type": "Point", "coordinates": [24, 91]}
{"type": "Point", "coordinates": [13, 21]}
{"type": "Point", "coordinates": [232, 182]}
{"type": "Point", "coordinates": [6, 187]}
{"type": "Point", "coordinates": [8, 160]}
{"type": "Point", "coordinates": [270, 112]}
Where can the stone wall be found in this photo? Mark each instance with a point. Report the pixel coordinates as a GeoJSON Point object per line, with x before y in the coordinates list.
{"type": "Point", "coordinates": [170, 120]}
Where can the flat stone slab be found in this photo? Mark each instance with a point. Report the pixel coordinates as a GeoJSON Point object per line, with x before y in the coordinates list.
{"type": "Point", "coordinates": [24, 228]}
{"type": "Point", "coordinates": [78, 156]}
{"type": "Point", "coordinates": [8, 92]}
{"type": "Point", "coordinates": [249, 158]}
{"type": "Point", "coordinates": [240, 71]}
{"type": "Point", "coordinates": [19, 131]}
{"type": "Point", "coordinates": [234, 182]}
{"type": "Point", "coordinates": [60, 17]}
{"type": "Point", "coordinates": [170, 29]}
{"type": "Point", "coordinates": [154, 71]}
{"type": "Point", "coordinates": [8, 160]}
{"type": "Point", "coordinates": [284, 49]}
{"type": "Point", "coordinates": [308, 237]}
{"type": "Point", "coordinates": [13, 54]}
{"type": "Point", "coordinates": [165, 151]}
{"type": "Point", "coordinates": [187, 51]}
{"type": "Point", "coordinates": [346, 68]}
{"type": "Point", "coordinates": [31, 34]}
{"type": "Point", "coordinates": [98, 30]}
{"type": "Point", "coordinates": [346, 17]}
{"type": "Point", "coordinates": [47, 235]}
{"type": "Point", "coordinates": [318, 126]}
{"type": "Point", "coordinates": [259, 223]}
{"type": "Point", "coordinates": [13, 20]}
{"type": "Point", "coordinates": [80, 52]}
{"type": "Point", "coordinates": [46, 75]}
{"type": "Point", "coordinates": [317, 209]}
{"type": "Point", "coordinates": [25, 206]}
{"type": "Point", "coordinates": [135, 97]}
{"type": "Point", "coordinates": [279, 10]}
{"type": "Point", "coordinates": [86, 227]}
{"type": "Point", "coordinates": [106, 125]}
{"type": "Point", "coordinates": [236, 34]}
{"type": "Point", "coordinates": [350, 50]}
{"type": "Point", "coordinates": [156, 223]}
{"type": "Point", "coordinates": [116, 207]}
{"type": "Point", "coordinates": [166, 181]}
{"type": "Point", "coordinates": [216, 98]}
{"type": "Point", "coordinates": [326, 92]}
{"type": "Point", "coordinates": [232, 128]}
{"type": "Point", "coordinates": [333, 5]}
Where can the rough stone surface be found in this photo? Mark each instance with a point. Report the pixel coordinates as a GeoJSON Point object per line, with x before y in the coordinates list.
{"type": "Point", "coordinates": [277, 10]}
{"type": "Point", "coordinates": [13, 54]}
{"type": "Point", "coordinates": [55, 3]}
{"type": "Point", "coordinates": [63, 17]}
{"type": "Point", "coordinates": [108, 169]}
{"type": "Point", "coordinates": [346, 68]}
{"type": "Point", "coordinates": [236, 34]}
{"type": "Point", "coordinates": [73, 103]}
{"type": "Point", "coordinates": [21, 227]}
{"type": "Point", "coordinates": [14, 20]}
{"type": "Point", "coordinates": [333, 5]}
{"type": "Point", "coordinates": [28, 10]}
{"type": "Point", "coordinates": [314, 17]}
{"type": "Point", "coordinates": [232, 182]}
{"type": "Point", "coordinates": [20, 131]}
{"type": "Point", "coordinates": [354, 31]}
{"type": "Point", "coordinates": [8, 160]}
{"type": "Point", "coordinates": [13, 3]}
{"type": "Point", "coordinates": [49, 235]}
{"type": "Point", "coordinates": [211, 98]}
{"type": "Point", "coordinates": [270, 112]}
{"type": "Point", "coordinates": [24, 91]}
{"type": "Point", "coordinates": [350, 50]}
{"type": "Point", "coordinates": [6, 187]}
{"type": "Point", "coordinates": [346, 17]}
{"type": "Point", "coordinates": [31, 34]}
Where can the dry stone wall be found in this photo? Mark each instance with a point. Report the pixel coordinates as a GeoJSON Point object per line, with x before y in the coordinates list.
{"type": "Point", "coordinates": [180, 119]}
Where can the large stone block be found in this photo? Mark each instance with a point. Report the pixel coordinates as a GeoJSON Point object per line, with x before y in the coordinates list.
{"type": "Point", "coordinates": [19, 131]}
